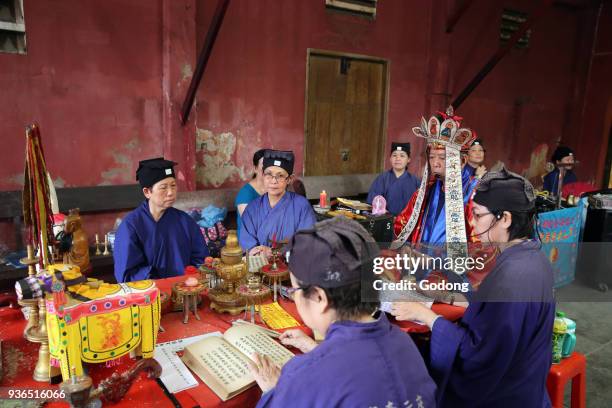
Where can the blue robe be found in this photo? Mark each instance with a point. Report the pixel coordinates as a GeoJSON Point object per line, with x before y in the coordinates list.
{"type": "Point", "coordinates": [389, 370]}
{"type": "Point", "coordinates": [551, 180]}
{"type": "Point", "coordinates": [396, 190]}
{"type": "Point", "coordinates": [246, 194]}
{"type": "Point", "coordinates": [434, 216]}
{"type": "Point", "coordinates": [260, 222]}
{"type": "Point", "coordinates": [500, 353]}
{"type": "Point", "coordinates": [467, 172]}
{"type": "Point", "coordinates": [145, 249]}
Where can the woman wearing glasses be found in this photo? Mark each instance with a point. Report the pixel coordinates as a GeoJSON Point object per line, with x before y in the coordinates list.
{"type": "Point", "coordinates": [278, 214]}
{"type": "Point", "coordinates": [364, 361]}
{"type": "Point", "coordinates": [499, 354]}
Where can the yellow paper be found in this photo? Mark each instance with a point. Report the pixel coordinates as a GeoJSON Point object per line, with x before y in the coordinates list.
{"type": "Point", "coordinates": [276, 317]}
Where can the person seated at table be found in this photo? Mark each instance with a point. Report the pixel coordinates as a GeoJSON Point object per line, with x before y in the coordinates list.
{"type": "Point", "coordinates": [251, 190]}
{"type": "Point", "coordinates": [563, 158]}
{"type": "Point", "coordinates": [396, 184]}
{"type": "Point", "coordinates": [474, 160]}
{"type": "Point", "coordinates": [327, 263]}
{"type": "Point", "coordinates": [278, 214]}
{"type": "Point", "coordinates": [156, 240]}
{"type": "Point", "coordinates": [499, 354]}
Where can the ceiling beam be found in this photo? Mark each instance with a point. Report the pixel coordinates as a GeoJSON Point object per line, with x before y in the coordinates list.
{"type": "Point", "coordinates": [501, 53]}
{"type": "Point", "coordinates": [457, 14]}
{"type": "Point", "coordinates": [203, 57]}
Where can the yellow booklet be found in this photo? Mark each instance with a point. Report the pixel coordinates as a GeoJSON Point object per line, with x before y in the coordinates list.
{"type": "Point", "coordinates": [276, 317]}
{"type": "Point", "coordinates": [221, 362]}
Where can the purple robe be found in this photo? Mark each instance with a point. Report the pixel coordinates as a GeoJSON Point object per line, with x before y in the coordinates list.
{"type": "Point", "coordinates": [261, 223]}
{"type": "Point", "coordinates": [396, 190]}
{"type": "Point", "coordinates": [500, 353]}
{"type": "Point", "coordinates": [146, 249]}
{"type": "Point", "coordinates": [358, 365]}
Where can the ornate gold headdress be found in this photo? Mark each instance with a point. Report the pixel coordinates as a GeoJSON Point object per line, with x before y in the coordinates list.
{"type": "Point", "coordinates": [448, 133]}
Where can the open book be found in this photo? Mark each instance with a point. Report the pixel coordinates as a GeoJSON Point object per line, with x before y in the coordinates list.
{"type": "Point", "coordinates": [221, 362]}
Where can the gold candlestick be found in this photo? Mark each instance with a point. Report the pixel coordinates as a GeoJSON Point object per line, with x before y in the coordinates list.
{"type": "Point", "coordinates": [43, 370]}
{"type": "Point", "coordinates": [30, 261]}
{"type": "Point", "coordinates": [98, 252]}
{"type": "Point", "coordinates": [105, 245]}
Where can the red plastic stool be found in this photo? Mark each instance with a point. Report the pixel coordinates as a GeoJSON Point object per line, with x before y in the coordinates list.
{"type": "Point", "coordinates": [570, 368]}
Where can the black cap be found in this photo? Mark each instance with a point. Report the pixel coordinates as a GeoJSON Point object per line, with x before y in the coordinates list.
{"type": "Point", "coordinates": [279, 158]}
{"type": "Point", "coordinates": [478, 142]}
{"type": "Point", "coordinates": [402, 147]}
{"type": "Point", "coordinates": [505, 191]}
{"type": "Point", "coordinates": [153, 170]}
{"type": "Point", "coordinates": [561, 152]}
{"type": "Point", "coordinates": [332, 253]}
{"type": "Point", "coordinates": [258, 155]}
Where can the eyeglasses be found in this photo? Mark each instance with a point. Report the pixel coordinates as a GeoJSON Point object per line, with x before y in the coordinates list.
{"type": "Point", "coordinates": [277, 177]}
{"type": "Point", "coordinates": [291, 291]}
{"type": "Point", "coordinates": [479, 216]}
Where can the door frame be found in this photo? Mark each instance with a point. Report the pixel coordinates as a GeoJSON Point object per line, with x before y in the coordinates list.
{"type": "Point", "coordinates": [386, 70]}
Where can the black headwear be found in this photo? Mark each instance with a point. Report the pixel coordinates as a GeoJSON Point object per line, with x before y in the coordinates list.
{"type": "Point", "coordinates": [478, 142]}
{"type": "Point", "coordinates": [258, 155]}
{"type": "Point", "coordinates": [561, 152]}
{"type": "Point", "coordinates": [151, 171]}
{"type": "Point", "coordinates": [505, 191]}
{"type": "Point", "coordinates": [403, 147]}
{"type": "Point", "coordinates": [332, 253]}
{"type": "Point", "coordinates": [279, 158]}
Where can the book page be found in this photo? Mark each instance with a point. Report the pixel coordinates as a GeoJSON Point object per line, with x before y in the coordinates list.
{"type": "Point", "coordinates": [250, 340]}
{"type": "Point", "coordinates": [223, 368]}
{"type": "Point", "coordinates": [175, 375]}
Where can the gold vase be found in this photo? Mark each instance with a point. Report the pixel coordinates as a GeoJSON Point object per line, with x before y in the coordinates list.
{"type": "Point", "coordinates": [232, 270]}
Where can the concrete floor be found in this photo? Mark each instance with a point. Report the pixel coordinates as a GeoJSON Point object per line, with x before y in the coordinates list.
{"type": "Point", "coordinates": [592, 311]}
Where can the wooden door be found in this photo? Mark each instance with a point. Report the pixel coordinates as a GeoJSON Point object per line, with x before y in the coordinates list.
{"type": "Point", "coordinates": [345, 114]}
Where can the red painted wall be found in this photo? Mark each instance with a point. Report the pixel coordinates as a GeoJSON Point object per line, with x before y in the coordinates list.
{"type": "Point", "coordinates": [532, 98]}
{"type": "Point", "coordinates": [91, 79]}
{"type": "Point", "coordinates": [593, 140]}
{"type": "Point", "coordinates": [254, 85]}
{"type": "Point", "coordinates": [106, 81]}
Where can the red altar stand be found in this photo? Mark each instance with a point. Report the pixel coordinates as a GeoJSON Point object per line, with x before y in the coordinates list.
{"type": "Point", "coordinates": [19, 357]}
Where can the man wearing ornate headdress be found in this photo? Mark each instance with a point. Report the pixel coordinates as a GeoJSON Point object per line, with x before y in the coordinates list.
{"type": "Point", "coordinates": [437, 212]}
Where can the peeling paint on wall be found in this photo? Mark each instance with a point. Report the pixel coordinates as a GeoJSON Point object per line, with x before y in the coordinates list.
{"type": "Point", "coordinates": [186, 72]}
{"type": "Point", "coordinates": [122, 172]}
{"type": "Point", "coordinates": [15, 180]}
{"type": "Point", "coordinates": [214, 159]}
{"type": "Point", "coordinates": [59, 182]}
{"type": "Point", "coordinates": [537, 165]}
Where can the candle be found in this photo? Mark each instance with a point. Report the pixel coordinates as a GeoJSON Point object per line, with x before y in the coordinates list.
{"type": "Point", "coordinates": [323, 199]}
{"type": "Point", "coordinates": [97, 239]}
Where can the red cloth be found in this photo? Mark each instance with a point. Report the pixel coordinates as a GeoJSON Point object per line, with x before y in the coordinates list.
{"type": "Point", "coordinates": [577, 189]}
{"type": "Point", "coordinates": [20, 356]}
